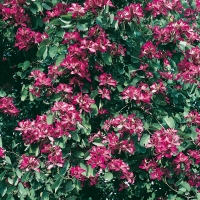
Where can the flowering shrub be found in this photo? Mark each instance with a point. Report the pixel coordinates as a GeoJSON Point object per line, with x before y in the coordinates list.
{"type": "Point", "coordinates": [99, 99]}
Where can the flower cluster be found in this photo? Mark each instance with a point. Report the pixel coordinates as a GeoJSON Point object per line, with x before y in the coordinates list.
{"type": "Point", "coordinates": [133, 11]}
{"type": "Point", "coordinates": [189, 67]}
{"type": "Point", "coordinates": [28, 163]}
{"type": "Point", "coordinates": [130, 124]}
{"type": "Point", "coordinates": [76, 10]}
{"type": "Point", "coordinates": [99, 157]}
{"type": "Point", "coordinates": [84, 101]}
{"type": "Point", "coordinates": [151, 166]}
{"type": "Point", "coordinates": [26, 38]}
{"type": "Point", "coordinates": [59, 9]}
{"type": "Point", "coordinates": [14, 12]}
{"type": "Point", "coordinates": [193, 118]}
{"type": "Point", "coordinates": [195, 154]}
{"type": "Point", "coordinates": [7, 106]}
{"type": "Point", "coordinates": [181, 162]}
{"type": "Point", "coordinates": [119, 165]}
{"type": "Point", "coordinates": [157, 7]}
{"type": "Point", "coordinates": [140, 94]}
{"type": "Point", "coordinates": [165, 143]}
{"type": "Point", "coordinates": [77, 173]}
{"type": "Point", "coordinates": [97, 4]}
{"type": "Point", "coordinates": [175, 31]}
{"type": "Point", "coordinates": [39, 129]}
{"type": "Point", "coordinates": [54, 156]}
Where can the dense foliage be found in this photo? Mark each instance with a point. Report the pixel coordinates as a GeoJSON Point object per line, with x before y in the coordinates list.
{"type": "Point", "coordinates": [100, 99]}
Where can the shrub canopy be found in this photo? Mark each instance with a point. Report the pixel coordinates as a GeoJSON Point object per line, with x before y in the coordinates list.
{"type": "Point", "coordinates": [99, 99]}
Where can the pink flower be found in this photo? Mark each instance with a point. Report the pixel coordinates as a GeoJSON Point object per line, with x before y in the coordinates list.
{"type": "Point", "coordinates": [165, 143]}
{"type": "Point", "coordinates": [149, 50]}
{"type": "Point", "coordinates": [96, 4]}
{"type": "Point", "coordinates": [14, 13]}
{"type": "Point", "coordinates": [180, 161]}
{"type": "Point", "coordinates": [71, 36]}
{"type": "Point", "coordinates": [148, 164]}
{"type": "Point", "coordinates": [105, 93]}
{"type": "Point", "coordinates": [156, 174]}
{"type": "Point", "coordinates": [94, 179]}
{"type": "Point", "coordinates": [2, 151]}
{"type": "Point", "coordinates": [195, 154]}
{"type": "Point", "coordinates": [133, 11]}
{"type": "Point", "coordinates": [99, 157]}
{"type": "Point", "coordinates": [29, 163]}
{"type": "Point", "coordinates": [84, 101]}
{"type": "Point", "coordinates": [77, 173]}
{"type": "Point", "coordinates": [59, 9]}
{"type": "Point", "coordinates": [64, 88]}
{"type": "Point", "coordinates": [106, 79]}
{"type": "Point", "coordinates": [76, 10]}
{"type": "Point", "coordinates": [140, 94]}
{"type": "Point", "coordinates": [158, 7]}
{"type": "Point", "coordinates": [193, 118]}
{"type": "Point", "coordinates": [26, 38]}
{"type": "Point", "coordinates": [7, 106]}
{"type": "Point", "coordinates": [55, 157]}
{"type": "Point", "coordinates": [130, 124]}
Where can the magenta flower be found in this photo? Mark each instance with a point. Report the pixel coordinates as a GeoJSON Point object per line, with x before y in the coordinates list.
{"type": "Point", "coordinates": [28, 163]}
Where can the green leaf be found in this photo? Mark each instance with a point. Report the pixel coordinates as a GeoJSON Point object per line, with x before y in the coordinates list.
{"type": "Point", "coordinates": [98, 144]}
{"type": "Point", "coordinates": [78, 154]}
{"type": "Point", "coordinates": [82, 27]}
{"type": "Point", "coordinates": [90, 171]}
{"type": "Point", "coordinates": [198, 196]}
{"type": "Point", "coordinates": [25, 66]}
{"type": "Point", "coordinates": [2, 93]}
{"type": "Point", "coordinates": [94, 110]}
{"type": "Point", "coordinates": [41, 53]}
{"type": "Point", "coordinates": [171, 197]}
{"type": "Point", "coordinates": [60, 59]}
{"type": "Point", "coordinates": [145, 139]}
{"type": "Point", "coordinates": [21, 189]}
{"type": "Point", "coordinates": [65, 168]}
{"type": "Point", "coordinates": [50, 119]}
{"type": "Point", "coordinates": [34, 149]}
{"type": "Point", "coordinates": [18, 172]}
{"type": "Point", "coordinates": [66, 17]}
{"type": "Point", "coordinates": [3, 190]}
{"type": "Point", "coordinates": [75, 136]}
{"type": "Point", "coordinates": [45, 195]}
{"type": "Point", "coordinates": [10, 197]}
{"type": "Point", "coordinates": [45, 53]}
{"type": "Point", "coordinates": [185, 4]}
{"type": "Point", "coordinates": [155, 126]}
{"type": "Point", "coordinates": [69, 186]}
{"type": "Point", "coordinates": [2, 175]}
{"type": "Point", "coordinates": [8, 160]}
{"type": "Point", "coordinates": [169, 121]}
{"type": "Point", "coordinates": [53, 51]}
{"type": "Point", "coordinates": [108, 176]}
{"type": "Point", "coordinates": [186, 185]}
{"type": "Point", "coordinates": [57, 184]}
{"type": "Point", "coordinates": [26, 176]}
{"type": "Point", "coordinates": [121, 70]}
{"type": "Point", "coordinates": [47, 7]}
{"type": "Point", "coordinates": [106, 58]}
{"type": "Point", "coordinates": [24, 93]}
{"type": "Point", "coordinates": [120, 88]}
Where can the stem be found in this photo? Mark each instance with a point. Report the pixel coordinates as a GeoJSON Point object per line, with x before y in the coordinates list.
{"type": "Point", "coordinates": [164, 180]}
{"type": "Point", "coordinates": [13, 153]}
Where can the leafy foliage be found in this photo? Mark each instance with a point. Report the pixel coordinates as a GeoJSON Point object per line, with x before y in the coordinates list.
{"type": "Point", "coordinates": [99, 99]}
